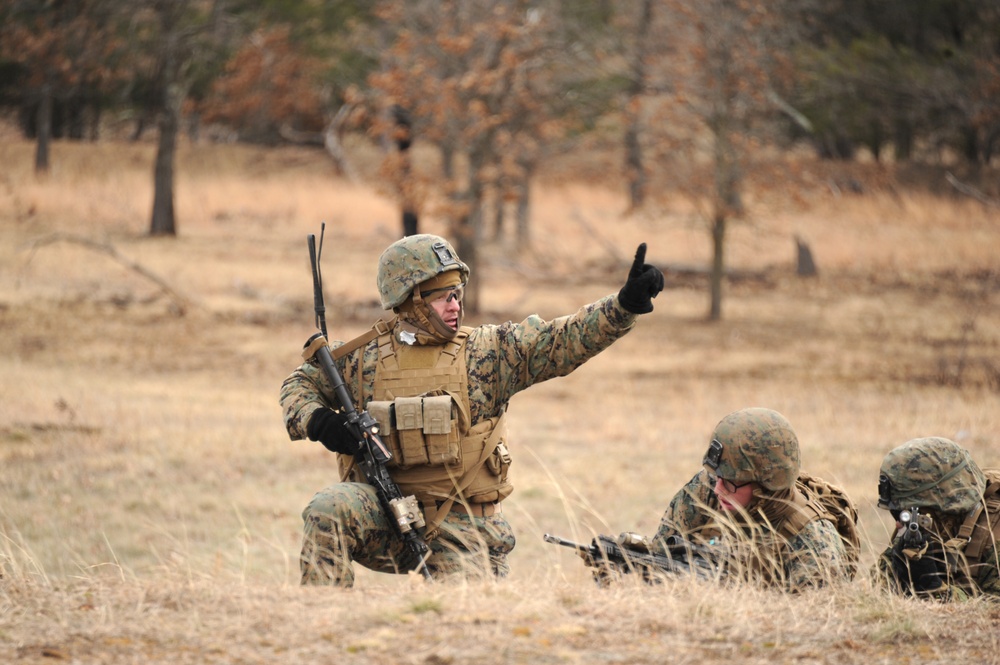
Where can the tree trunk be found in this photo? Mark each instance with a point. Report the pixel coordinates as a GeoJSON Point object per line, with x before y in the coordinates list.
{"type": "Point", "coordinates": [163, 221]}
{"type": "Point", "coordinates": [168, 121]}
{"type": "Point", "coordinates": [635, 169]}
{"type": "Point", "coordinates": [333, 141]}
{"type": "Point", "coordinates": [903, 143]}
{"type": "Point", "coordinates": [94, 131]}
{"type": "Point", "coordinates": [402, 136]}
{"type": "Point", "coordinates": [727, 201]}
{"type": "Point", "coordinates": [43, 129]}
{"type": "Point", "coordinates": [466, 248]}
{"type": "Point", "coordinates": [498, 210]}
{"type": "Point", "coordinates": [970, 143]}
{"type": "Point", "coordinates": [523, 214]}
{"type": "Point", "coordinates": [448, 162]}
{"type": "Point", "coordinates": [468, 232]}
{"type": "Point", "coordinates": [410, 217]}
{"type": "Point", "coordinates": [74, 118]}
{"type": "Point", "coordinates": [140, 126]}
{"type": "Point", "coordinates": [990, 144]}
{"type": "Point", "coordinates": [718, 264]}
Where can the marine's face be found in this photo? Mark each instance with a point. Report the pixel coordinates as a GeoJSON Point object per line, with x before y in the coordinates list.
{"type": "Point", "coordinates": [733, 496]}
{"type": "Point", "coordinates": [447, 304]}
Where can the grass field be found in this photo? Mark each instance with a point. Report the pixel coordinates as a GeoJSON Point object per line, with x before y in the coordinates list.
{"type": "Point", "coordinates": [150, 497]}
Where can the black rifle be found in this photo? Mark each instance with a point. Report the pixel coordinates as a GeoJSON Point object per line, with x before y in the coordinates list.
{"type": "Point", "coordinates": [685, 558]}
{"type": "Point", "coordinates": [372, 455]}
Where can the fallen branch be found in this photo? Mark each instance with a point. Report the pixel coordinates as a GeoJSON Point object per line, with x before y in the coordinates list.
{"type": "Point", "coordinates": [969, 190]}
{"type": "Point", "coordinates": [180, 303]}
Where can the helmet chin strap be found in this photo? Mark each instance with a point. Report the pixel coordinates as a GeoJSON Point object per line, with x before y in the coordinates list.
{"type": "Point", "coordinates": [427, 319]}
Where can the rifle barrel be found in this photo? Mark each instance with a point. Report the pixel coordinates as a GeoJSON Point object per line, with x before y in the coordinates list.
{"type": "Point", "coordinates": [549, 538]}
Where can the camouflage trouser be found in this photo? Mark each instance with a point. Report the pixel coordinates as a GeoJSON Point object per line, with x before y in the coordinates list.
{"type": "Point", "coordinates": [344, 523]}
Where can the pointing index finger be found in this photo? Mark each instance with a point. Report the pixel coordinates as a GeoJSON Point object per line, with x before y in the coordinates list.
{"type": "Point", "coordinates": [640, 257]}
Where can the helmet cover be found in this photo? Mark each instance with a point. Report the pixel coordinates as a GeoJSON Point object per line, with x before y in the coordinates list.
{"type": "Point", "coordinates": [755, 445]}
{"type": "Point", "coordinates": [413, 260]}
{"type": "Point", "coordinates": [930, 472]}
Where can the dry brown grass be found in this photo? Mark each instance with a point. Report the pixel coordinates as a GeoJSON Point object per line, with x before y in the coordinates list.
{"type": "Point", "coordinates": [150, 499]}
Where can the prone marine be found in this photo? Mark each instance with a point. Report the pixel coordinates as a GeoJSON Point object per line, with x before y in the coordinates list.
{"type": "Point", "coordinates": [947, 512]}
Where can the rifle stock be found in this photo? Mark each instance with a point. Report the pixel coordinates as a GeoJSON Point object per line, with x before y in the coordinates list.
{"type": "Point", "coordinates": [372, 456]}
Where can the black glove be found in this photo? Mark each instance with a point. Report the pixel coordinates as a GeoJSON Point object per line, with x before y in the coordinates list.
{"type": "Point", "coordinates": [919, 571]}
{"type": "Point", "coordinates": [330, 428]}
{"type": "Point", "coordinates": [643, 284]}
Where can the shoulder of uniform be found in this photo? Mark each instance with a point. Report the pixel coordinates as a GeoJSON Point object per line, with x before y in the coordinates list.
{"type": "Point", "coordinates": [820, 529]}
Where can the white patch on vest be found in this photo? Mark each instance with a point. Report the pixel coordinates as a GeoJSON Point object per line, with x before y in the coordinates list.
{"type": "Point", "coordinates": [406, 337]}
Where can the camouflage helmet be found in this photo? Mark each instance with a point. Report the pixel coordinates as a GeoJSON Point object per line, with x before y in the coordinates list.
{"type": "Point", "coordinates": [411, 261]}
{"type": "Point", "coordinates": [755, 445]}
{"type": "Point", "coordinates": [930, 472]}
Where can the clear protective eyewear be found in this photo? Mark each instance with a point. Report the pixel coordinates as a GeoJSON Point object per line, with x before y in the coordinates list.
{"type": "Point", "coordinates": [730, 486]}
{"type": "Point", "coordinates": [449, 293]}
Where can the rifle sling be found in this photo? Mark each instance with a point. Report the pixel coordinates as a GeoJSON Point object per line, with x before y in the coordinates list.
{"type": "Point", "coordinates": [380, 328]}
{"type": "Point", "coordinates": [979, 535]}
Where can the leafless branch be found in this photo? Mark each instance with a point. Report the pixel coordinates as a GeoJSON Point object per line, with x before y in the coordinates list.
{"type": "Point", "coordinates": [333, 141]}
{"type": "Point", "coordinates": [180, 303]}
{"type": "Point", "coordinates": [969, 190]}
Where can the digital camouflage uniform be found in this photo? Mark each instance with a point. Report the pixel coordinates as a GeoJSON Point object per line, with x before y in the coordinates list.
{"type": "Point", "coordinates": [783, 537]}
{"type": "Point", "coordinates": [502, 360]}
{"type": "Point", "coordinates": [936, 477]}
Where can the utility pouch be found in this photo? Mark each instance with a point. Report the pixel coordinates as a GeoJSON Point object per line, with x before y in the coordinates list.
{"type": "Point", "coordinates": [441, 431]}
{"type": "Point", "coordinates": [419, 430]}
{"type": "Point", "coordinates": [499, 461]}
{"type": "Point", "coordinates": [382, 413]}
{"type": "Point", "coordinates": [410, 425]}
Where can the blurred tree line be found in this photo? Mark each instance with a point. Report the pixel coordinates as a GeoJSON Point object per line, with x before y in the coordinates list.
{"type": "Point", "coordinates": [499, 86]}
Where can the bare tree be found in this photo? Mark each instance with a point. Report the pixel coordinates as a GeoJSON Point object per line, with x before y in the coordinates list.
{"type": "Point", "coordinates": [465, 71]}
{"type": "Point", "coordinates": [635, 169]}
{"type": "Point", "coordinates": [714, 104]}
{"type": "Point", "coordinates": [180, 37]}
